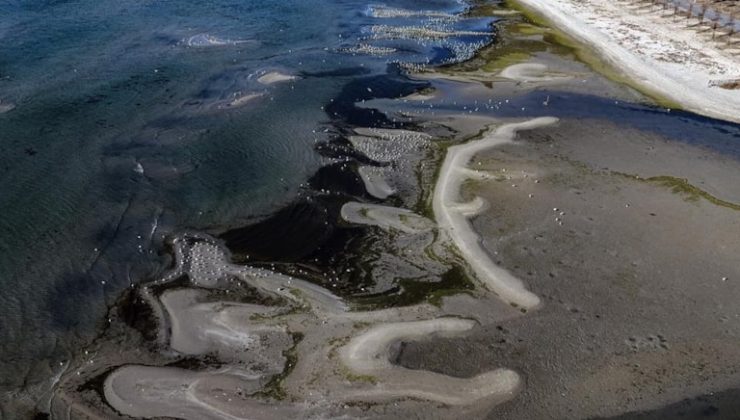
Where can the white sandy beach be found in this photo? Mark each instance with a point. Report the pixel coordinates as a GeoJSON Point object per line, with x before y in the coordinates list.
{"type": "Point", "coordinates": [659, 53]}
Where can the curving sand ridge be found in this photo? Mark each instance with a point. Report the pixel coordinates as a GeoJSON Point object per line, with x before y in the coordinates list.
{"type": "Point", "coordinates": [473, 207]}
{"type": "Point", "coordinates": [324, 354]}
{"type": "Point", "coordinates": [392, 12]}
{"type": "Point", "coordinates": [369, 353]}
{"type": "Point", "coordinates": [658, 53]}
{"type": "Point", "coordinates": [420, 32]}
{"type": "Point", "coordinates": [241, 100]}
{"type": "Point", "coordinates": [385, 217]}
{"type": "Point", "coordinates": [452, 215]}
{"type": "Point", "coordinates": [520, 73]}
{"type": "Point", "coordinates": [149, 392]}
{"type": "Point", "coordinates": [223, 329]}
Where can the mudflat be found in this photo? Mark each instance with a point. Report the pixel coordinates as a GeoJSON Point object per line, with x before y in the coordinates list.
{"type": "Point", "coordinates": [631, 243]}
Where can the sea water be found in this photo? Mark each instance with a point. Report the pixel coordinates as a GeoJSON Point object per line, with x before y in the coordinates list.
{"type": "Point", "coordinates": [122, 121]}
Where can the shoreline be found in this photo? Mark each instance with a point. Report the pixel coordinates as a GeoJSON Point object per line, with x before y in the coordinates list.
{"type": "Point", "coordinates": [316, 349]}
{"type": "Point", "coordinates": [452, 215]}
{"type": "Point", "coordinates": [649, 70]}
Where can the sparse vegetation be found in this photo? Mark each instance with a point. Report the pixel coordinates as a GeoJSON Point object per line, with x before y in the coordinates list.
{"type": "Point", "coordinates": [274, 388]}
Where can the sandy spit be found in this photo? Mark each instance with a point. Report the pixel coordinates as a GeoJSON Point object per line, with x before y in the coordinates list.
{"type": "Point", "coordinates": [452, 216]}
{"type": "Point", "coordinates": [664, 57]}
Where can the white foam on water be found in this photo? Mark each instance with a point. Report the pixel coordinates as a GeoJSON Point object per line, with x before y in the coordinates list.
{"type": "Point", "coordinates": [369, 50]}
{"type": "Point", "coordinates": [240, 100]}
{"type": "Point", "coordinates": [420, 32]}
{"type": "Point", "coordinates": [205, 40]}
{"type": "Point", "coordinates": [381, 12]}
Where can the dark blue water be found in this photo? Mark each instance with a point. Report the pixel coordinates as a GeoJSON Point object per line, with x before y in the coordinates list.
{"type": "Point", "coordinates": [120, 135]}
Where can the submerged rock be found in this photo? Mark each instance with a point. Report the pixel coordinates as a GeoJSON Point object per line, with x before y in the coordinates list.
{"type": "Point", "coordinates": [6, 107]}
{"type": "Point", "coordinates": [205, 40]}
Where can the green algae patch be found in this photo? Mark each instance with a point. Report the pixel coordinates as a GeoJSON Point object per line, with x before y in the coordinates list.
{"type": "Point", "coordinates": [425, 205]}
{"type": "Point", "coordinates": [691, 192]}
{"type": "Point", "coordinates": [510, 48]}
{"type": "Point", "coordinates": [523, 28]}
{"type": "Point", "coordinates": [352, 377]}
{"type": "Point", "coordinates": [521, 36]}
{"type": "Point", "coordinates": [411, 291]}
{"type": "Point", "coordinates": [683, 187]}
{"type": "Point", "coordinates": [274, 387]}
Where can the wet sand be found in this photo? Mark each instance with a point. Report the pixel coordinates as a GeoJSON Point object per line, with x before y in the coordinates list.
{"type": "Point", "coordinates": [303, 351]}
{"type": "Point", "coordinates": [638, 281]}
{"type": "Point", "coordinates": [6, 106]}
